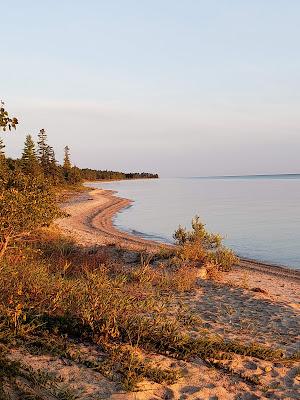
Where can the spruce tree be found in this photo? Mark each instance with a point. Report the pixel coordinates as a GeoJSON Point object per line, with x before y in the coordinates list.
{"type": "Point", "coordinates": [43, 151]}
{"type": "Point", "coordinates": [29, 159]}
{"type": "Point", "coordinates": [67, 167]}
{"type": "Point", "coordinates": [67, 162]}
{"type": "Point", "coordinates": [53, 168]}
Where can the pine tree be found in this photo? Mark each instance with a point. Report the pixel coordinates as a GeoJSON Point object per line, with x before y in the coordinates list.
{"type": "Point", "coordinates": [53, 168]}
{"type": "Point", "coordinates": [67, 163]}
{"type": "Point", "coordinates": [29, 159]}
{"type": "Point", "coordinates": [43, 151]}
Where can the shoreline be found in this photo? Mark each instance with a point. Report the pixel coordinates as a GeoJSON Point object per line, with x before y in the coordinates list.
{"type": "Point", "coordinates": [253, 303]}
{"type": "Point", "coordinates": [92, 214]}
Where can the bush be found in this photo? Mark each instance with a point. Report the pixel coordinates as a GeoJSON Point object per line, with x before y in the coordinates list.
{"type": "Point", "coordinates": [26, 203]}
{"type": "Point", "coordinates": [202, 247]}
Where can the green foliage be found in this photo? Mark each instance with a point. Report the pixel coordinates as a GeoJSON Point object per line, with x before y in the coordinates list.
{"type": "Point", "coordinates": [27, 203]}
{"type": "Point", "coordinates": [94, 175]}
{"type": "Point", "coordinates": [67, 163]}
{"type": "Point", "coordinates": [199, 245]}
{"type": "Point", "coordinates": [30, 164]}
{"type": "Point", "coordinates": [72, 175]}
{"type": "Point", "coordinates": [198, 234]}
{"type": "Point", "coordinates": [19, 381]}
{"type": "Point", "coordinates": [5, 120]}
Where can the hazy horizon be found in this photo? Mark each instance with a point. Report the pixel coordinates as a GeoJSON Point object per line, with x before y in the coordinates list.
{"type": "Point", "coordinates": [183, 89]}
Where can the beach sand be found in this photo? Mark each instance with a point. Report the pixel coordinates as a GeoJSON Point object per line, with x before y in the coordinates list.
{"type": "Point", "coordinates": [254, 302]}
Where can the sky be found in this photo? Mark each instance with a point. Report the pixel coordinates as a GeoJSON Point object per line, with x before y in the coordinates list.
{"type": "Point", "coordinates": [182, 88]}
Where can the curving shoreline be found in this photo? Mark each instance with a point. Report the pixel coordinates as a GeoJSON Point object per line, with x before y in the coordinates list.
{"type": "Point", "coordinates": [91, 223]}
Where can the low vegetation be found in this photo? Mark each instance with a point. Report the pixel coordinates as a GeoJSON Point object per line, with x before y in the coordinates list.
{"type": "Point", "coordinates": [56, 296]}
{"type": "Point", "coordinates": [61, 295]}
{"type": "Point", "coordinates": [199, 247]}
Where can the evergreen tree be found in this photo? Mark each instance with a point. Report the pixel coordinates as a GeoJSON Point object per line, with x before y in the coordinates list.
{"type": "Point", "coordinates": [29, 159]}
{"type": "Point", "coordinates": [67, 163]}
{"type": "Point", "coordinates": [67, 167]}
{"type": "Point", "coordinates": [43, 151]}
{"type": "Point", "coordinates": [74, 176]}
{"type": "Point", "coordinates": [54, 171]}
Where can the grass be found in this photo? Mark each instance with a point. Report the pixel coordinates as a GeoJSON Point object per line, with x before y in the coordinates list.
{"type": "Point", "coordinates": [17, 380]}
{"type": "Point", "coordinates": [54, 292]}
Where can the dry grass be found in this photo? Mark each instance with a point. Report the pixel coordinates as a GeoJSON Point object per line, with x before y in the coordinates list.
{"type": "Point", "coordinates": [55, 292]}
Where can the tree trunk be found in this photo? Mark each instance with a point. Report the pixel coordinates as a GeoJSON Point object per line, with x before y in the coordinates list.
{"type": "Point", "coordinates": [3, 246]}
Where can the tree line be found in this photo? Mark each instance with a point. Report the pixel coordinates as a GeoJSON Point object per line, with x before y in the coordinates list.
{"type": "Point", "coordinates": [39, 160]}
{"type": "Point", "coordinates": [27, 184]}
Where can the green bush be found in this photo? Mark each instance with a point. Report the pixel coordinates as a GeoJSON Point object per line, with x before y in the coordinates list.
{"type": "Point", "coordinates": [26, 203]}
{"type": "Point", "coordinates": [202, 247]}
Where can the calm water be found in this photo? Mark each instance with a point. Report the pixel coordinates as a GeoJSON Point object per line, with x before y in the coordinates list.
{"type": "Point", "coordinates": [258, 216]}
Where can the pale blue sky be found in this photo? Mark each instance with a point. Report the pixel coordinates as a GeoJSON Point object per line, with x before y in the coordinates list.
{"type": "Point", "coordinates": [179, 87]}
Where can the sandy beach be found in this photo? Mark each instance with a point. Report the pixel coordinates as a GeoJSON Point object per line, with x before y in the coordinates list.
{"type": "Point", "coordinates": [254, 302]}
{"type": "Point", "coordinates": [90, 223]}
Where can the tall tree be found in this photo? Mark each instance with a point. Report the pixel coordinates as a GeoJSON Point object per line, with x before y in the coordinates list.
{"type": "Point", "coordinates": [67, 162]}
{"type": "Point", "coordinates": [54, 171]}
{"type": "Point", "coordinates": [29, 159]}
{"type": "Point", "coordinates": [43, 151]}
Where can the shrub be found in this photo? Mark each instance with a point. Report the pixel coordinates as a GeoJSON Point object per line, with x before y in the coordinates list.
{"type": "Point", "coordinates": [202, 247]}
{"type": "Point", "coordinates": [26, 203]}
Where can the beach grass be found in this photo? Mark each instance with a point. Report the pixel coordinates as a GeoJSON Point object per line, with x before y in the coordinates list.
{"type": "Point", "coordinates": [54, 293]}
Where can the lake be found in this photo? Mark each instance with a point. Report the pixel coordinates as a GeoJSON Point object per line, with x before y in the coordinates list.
{"type": "Point", "coordinates": [259, 216]}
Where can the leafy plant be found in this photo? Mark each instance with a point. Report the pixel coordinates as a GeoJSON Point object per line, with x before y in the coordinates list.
{"type": "Point", "coordinates": [26, 203]}
{"type": "Point", "coordinates": [200, 246]}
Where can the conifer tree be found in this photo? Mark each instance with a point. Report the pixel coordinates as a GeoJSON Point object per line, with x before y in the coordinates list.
{"type": "Point", "coordinates": [54, 171]}
{"type": "Point", "coordinates": [43, 151]}
{"type": "Point", "coordinates": [29, 159]}
{"type": "Point", "coordinates": [67, 162]}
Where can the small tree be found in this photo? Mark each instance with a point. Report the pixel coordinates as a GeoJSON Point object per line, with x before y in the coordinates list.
{"type": "Point", "coordinates": [27, 203]}
{"type": "Point", "coordinates": [43, 151]}
{"type": "Point", "coordinates": [54, 172]}
{"type": "Point", "coordinates": [67, 162]}
{"type": "Point", "coordinates": [71, 174]}
{"type": "Point", "coordinates": [29, 159]}
{"type": "Point", "coordinates": [200, 246]}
